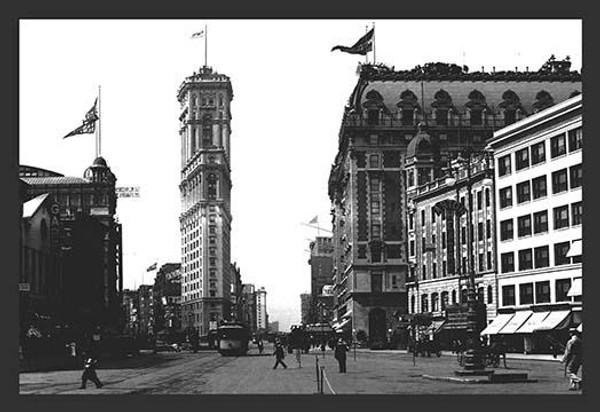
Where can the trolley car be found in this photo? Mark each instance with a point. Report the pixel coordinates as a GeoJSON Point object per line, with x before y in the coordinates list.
{"type": "Point", "coordinates": [233, 339]}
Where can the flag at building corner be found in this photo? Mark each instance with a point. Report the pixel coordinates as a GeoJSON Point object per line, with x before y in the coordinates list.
{"type": "Point", "coordinates": [151, 267]}
{"type": "Point", "coordinates": [198, 34]}
{"type": "Point", "coordinates": [362, 46]}
{"type": "Point", "coordinates": [314, 220]}
{"type": "Point", "coordinates": [89, 123]}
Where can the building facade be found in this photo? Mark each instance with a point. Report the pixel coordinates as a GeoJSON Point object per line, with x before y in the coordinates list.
{"type": "Point", "coordinates": [438, 251]}
{"type": "Point", "coordinates": [369, 179]}
{"type": "Point", "coordinates": [205, 220]}
{"type": "Point", "coordinates": [539, 184]}
{"type": "Point", "coordinates": [131, 307]}
{"type": "Point", "coordinates": [40, 280]}
{"type": "Point", "coordinates": [146, 311]}
{"type": "Point", "coordinates": [90, 244]}
{"type": "Point", "coordinates": [249, 310]}
{"type": "Point", "coordinates": [262, 316]}
{"type": "Point", "coordinates": [321, 270]}
{"type": "Point", "coordinates": [305, 302]}
{"type": "Point", "coordinates": [167, 299]}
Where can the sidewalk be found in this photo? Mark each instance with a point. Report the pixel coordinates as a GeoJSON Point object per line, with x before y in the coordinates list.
{"type": "Point", "coordinates": [516, 356]}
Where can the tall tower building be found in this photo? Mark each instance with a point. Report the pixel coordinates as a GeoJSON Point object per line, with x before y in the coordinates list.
{"type": "Point", "coordinates": [205, 220]}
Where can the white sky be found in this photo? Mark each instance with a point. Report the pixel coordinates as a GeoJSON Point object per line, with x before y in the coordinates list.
{"type": "Point", "coordinates": [289, 93]}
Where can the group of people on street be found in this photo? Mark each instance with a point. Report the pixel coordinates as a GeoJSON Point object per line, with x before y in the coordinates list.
{"type": "Point", "coordinates": [339, 353]}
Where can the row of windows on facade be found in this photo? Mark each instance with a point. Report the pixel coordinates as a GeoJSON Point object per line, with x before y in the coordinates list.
{"type": "Point", "coordinates": [445, 116]}
{"type": "Point", "coordinates": [377, 282]}
{"type": "Point", "coordinates": [536, 153]}
{"type": "Point", "coordinates": [538, 257]}
{"type": "Point", "coordinates": [212, 284]}
{"type": "Point", "coordinates": [537, 188]}
{"type": "Point", "coordinates": [477, 206]}
{"type": "Point", "coordinates": [76, 200]}
{"type": "Point", "coordinates": [525, 228]}
{"type": "Point", "coordinates": [205, 100]}
{"type": "Point", "coordinates": [440, 301]}
{"type": "Point", "coordinates": [484, 262]}
{"type": "Point", "coordinates": [542, 293]}
{"type": "Point", "coordinates": [482, 234]}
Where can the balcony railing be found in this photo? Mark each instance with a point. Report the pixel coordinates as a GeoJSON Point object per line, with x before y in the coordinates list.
{"type": "Point", "coordinates": [387, 121]}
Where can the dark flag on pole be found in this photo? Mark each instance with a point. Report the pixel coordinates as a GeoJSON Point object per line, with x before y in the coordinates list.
{"type": "Point", "coordinates": [362, 46]}
{"type": "Point", "coordinates": [89, 123]}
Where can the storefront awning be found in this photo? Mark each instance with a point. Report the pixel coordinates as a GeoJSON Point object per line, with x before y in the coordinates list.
{"type": "Point", "coordinates": [435, 326]}
{"type": "Point", "coordinates": [558, 319]}
{"type": "Point", "coordinates": [516, 322]}
{"type": "Point", "coordinates": [498, 323]}
{"type": "Point", "coordinates": [576, 289]}
{"type": "Point", "coordinates": [341, 324]}
{"type": "Point", "coordinates": [534, 321]}
{"type": "Point", "coordinates": [575, 249]}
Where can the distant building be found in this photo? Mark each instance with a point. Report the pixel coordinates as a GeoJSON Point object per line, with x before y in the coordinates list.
{"type": "Point", "coordinates": [205, 187]}
{"type": "Point", "coordinates": [167, 298]}
{"type": "Point", "coordinates": [274, 327]}
{"type": "Point", "coordinates": [321, 270]}
{"type": "Point", "coordinates": [131, 307]}
{"type": "Point", "coordinates": [249, 311]}
{"type": "Point", "coordinates": [146, 310]}
{"type": "Point", "coordinates": [237, 311]}
{"type": "Point", "coordinates": [262, 317]}
{"type": "Point", "coordinates": [305, 302]}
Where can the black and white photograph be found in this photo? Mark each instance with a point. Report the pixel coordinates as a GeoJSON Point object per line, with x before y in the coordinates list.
{"type": "Point", "coordinates": [316, 207]}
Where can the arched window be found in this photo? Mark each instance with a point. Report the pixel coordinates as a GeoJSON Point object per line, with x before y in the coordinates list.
{"type": "Point", "coordinates": [453, 297]}
{"type": "Point", "coordinates": [490, 294]}
{"type": "Point", "coordinates": [412, 304]}
{"type": "Point", "coordinates": [463, 295]}
{"type": "Point", "coordinates": [207, 135]}
{"type": "Point", "coordinates": [435, 302]}
{"type": "Point", "coordinates": [424, 304]}
{"type": "Point", "coordinates": [444, 301]}
{"type": "Point", "coordinates": [480, 294]}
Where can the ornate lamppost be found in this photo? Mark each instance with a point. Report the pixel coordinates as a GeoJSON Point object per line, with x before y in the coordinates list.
{"type": "Point", "coordinates": [474, 361]}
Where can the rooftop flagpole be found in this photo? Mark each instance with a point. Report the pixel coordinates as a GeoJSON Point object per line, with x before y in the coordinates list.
{"type": "Point", "coordinates": [99, 147]}
{"type": "Point", "coordinates": [205, 46]}
{"type": "Point", "coordinates": [374, 59]}
{"type": "Point", "coordinates": [367, 54]}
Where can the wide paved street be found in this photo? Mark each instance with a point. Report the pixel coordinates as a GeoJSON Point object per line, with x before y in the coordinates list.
{"type": "Point", "coordinates": [373, 372]}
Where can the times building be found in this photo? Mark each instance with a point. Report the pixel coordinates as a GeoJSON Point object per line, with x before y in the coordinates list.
{"type": "Point", "coordinates": [205, 188]}
{"type": "Point", "coordinates": [382, 154]}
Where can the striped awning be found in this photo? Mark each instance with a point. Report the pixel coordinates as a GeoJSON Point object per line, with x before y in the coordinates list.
{"type": "Point", "coordinates": [576, 289]}
{"type": "Point", "coordinates": [575, 249]}
{"type": "Point", "coordinates": [558, 319]}
{"type": "Point", "coordinates": [534, 321]}
{"type": "Point", "coordinates": [516, 322]}
{"type": "Point", "coordinates": [498, 323]}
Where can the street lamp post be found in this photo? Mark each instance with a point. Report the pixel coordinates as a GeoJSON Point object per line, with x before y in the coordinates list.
{"type": "Point", "coordinates": [474, 361]}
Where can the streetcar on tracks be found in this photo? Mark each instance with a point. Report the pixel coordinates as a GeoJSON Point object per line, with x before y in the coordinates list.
{"type": "Point", "coordinates": [233, 339]}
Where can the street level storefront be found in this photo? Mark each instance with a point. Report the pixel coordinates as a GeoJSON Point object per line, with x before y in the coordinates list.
{"type": "Point", "coordinates": [539, 330]}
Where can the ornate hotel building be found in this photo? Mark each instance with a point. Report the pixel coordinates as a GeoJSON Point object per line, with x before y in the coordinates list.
{"type": "Point", "coordinates": [205, 220]}
{"type": "Point", "coordinates": [382, 157]}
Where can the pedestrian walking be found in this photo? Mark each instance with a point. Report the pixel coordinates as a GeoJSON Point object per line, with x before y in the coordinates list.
{"type": "Point", "coordinates": [340, 354]}
{"type": "Point", "coordinates": [261, 347]}
{"type": "Point", "coordinates": [572, 359]}
{"type": "Point", "coordinates": [279, 354]}
{"type": "Point", "coordinates": [299, 357]}
{"type": "Point", "coordinates": [89, 371]}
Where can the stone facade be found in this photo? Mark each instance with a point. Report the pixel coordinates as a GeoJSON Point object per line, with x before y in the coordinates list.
{"type": "Point", "coordinates": [205, 188]}
{"type": "Point", "coordinates": [369, 180]}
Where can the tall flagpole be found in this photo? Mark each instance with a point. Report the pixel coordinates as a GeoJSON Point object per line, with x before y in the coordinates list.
{"type": "Point", "coordinates": [367, 53]}
{"type": "Point", "coordinates": [205, 46]}
{"type": "Point", "coordinates": [374, 59]}
{"type": "Point", "coordinates": [99, 140]}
